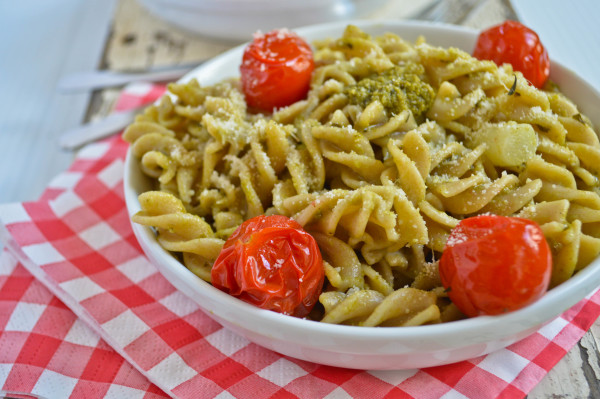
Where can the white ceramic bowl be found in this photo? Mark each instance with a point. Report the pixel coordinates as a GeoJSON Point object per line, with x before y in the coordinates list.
{"type": "Point", "coordinates": [236, 20]}
{"type": "Point", "coordinates": [370, 347]}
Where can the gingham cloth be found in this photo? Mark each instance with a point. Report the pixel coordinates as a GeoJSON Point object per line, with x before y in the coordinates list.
{"type": "Point", "coordinates": [84, 314]}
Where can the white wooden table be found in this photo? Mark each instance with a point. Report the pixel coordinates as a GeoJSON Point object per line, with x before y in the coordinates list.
{"type": "Point", "coordinates": [121, 35]}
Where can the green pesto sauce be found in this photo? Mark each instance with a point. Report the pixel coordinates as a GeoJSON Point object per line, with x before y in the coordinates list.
{"type": "Point", "coordinates": [397, 89]}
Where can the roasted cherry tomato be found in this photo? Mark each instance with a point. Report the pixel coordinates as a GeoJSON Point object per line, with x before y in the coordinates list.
{"type": "Point", "coordinates": [516, 44]}
{"type": "Point", "coordinates": [271, 262]}
{"type": "Point", "coordinates": [495, 264]}
{"type": "Point", "coordinates": [276, 70]}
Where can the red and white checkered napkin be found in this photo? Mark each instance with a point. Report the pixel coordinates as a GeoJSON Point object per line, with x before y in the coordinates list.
{"type": "Point", "coordinates": [84, 314]}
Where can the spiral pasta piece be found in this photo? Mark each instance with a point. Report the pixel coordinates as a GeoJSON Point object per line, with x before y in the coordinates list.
{"type": "Point", "coordinates": [177, 230]}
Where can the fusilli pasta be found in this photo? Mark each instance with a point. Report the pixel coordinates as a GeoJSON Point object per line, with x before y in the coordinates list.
{"type": "Point", "coordinates": [378, 187]}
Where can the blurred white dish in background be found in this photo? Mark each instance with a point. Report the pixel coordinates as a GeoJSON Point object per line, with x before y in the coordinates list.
{"type": "Point", "coordinates": [369, 347]}
{"type": "Point", "coordinates": [236, 20]}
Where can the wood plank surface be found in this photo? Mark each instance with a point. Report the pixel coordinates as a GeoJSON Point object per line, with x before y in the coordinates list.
{"type": "Point", "coordinates": [41, 41]}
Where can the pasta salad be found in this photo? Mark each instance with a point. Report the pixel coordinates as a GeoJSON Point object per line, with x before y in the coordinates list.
{"type": "Point", "coordinates": [391, 147]}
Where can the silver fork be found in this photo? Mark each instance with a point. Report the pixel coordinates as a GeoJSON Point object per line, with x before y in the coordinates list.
{"type": "Point", "coordinates": [93, 80]}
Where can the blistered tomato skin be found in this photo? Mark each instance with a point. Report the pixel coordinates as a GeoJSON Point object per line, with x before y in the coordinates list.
{"type": "Point", "coordinates": [495, 264]}
{"type": "Point", "coordinates": [271, 262]}
{"type": "Point", "coordinates": [514, 43]}
{"type": "Point", "coordinates": [276, 70]}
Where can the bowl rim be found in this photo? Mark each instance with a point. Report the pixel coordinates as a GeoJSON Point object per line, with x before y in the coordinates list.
{"type": "Point", "coordinates": [243, 6]}
{"type": "Point", "coordinates": [554, 302]}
